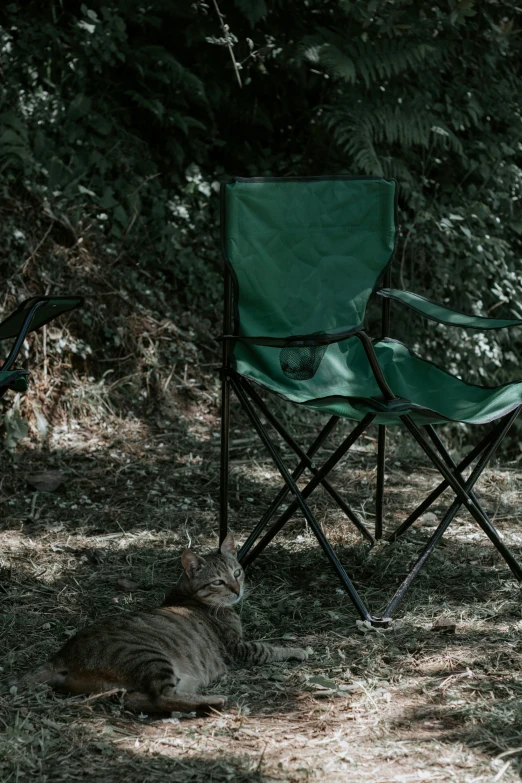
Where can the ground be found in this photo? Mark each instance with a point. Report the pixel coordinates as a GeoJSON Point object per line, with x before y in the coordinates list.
{"type": "Point", "coordinates": [410, 704]}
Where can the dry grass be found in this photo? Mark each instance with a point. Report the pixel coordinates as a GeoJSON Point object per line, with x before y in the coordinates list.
{"type": "Point", "coordinates": [133, 427]}
{"type": "Point", "coordinates": [410, 704]}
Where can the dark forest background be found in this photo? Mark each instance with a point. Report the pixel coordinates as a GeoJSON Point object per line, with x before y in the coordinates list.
{"type": "Point", "coordinates": [118, 121]}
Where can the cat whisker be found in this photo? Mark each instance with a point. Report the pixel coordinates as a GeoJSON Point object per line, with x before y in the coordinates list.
{"type": "Point", "coordinates": [220, 604]}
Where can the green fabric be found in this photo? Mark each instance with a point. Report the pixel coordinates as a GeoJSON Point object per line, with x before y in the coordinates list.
{"type": "Point", "coordinates": [53, 307]}
{"type": "Point", "coordinates": [17, 380]}
{"type": "Point", "coordinates": [445, 315]}
{"type": "Point", "coordinates": [344, 385]}
{"type": "Point", "coordinates": [306, 256]}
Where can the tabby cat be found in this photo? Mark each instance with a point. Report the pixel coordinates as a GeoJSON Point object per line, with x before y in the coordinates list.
{"type": "Point", "coordinates": [163, 658]}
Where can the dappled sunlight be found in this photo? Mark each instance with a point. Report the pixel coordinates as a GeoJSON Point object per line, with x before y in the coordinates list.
{"type": "Point", "coordinates": [120, 123]}
{"type": "Point", "coordinates": [409, 687]}
{"type": "Point", "coordinates": [140, 484]}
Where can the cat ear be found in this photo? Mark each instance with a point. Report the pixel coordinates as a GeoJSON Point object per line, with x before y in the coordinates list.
{"type": "Point", "coordinates": [191, 563]}
{"type": "Point", "coordinates": [228, 547]}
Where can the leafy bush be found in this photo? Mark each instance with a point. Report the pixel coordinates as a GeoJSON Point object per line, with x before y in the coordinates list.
{"type": "Point", "coordinates": [119, 119]}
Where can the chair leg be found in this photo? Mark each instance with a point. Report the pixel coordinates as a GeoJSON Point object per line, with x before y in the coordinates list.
{"type": "Point", "coordinates": [439, 532]}
{"type": "Point", "coordinates": [306, 458]}
{"type": "Point", "coordinates": [381, 461]}
{"type": "Point", "coordinates": [292, 508]}
{"type": "Point", "coordinates": [437, 492]}
{"type": "Point", "coordinates": [448, 459]}
{"type": "Point", "coordinates": [280, 497]}
{"type": "Point", "coordinates": [224, 467]}
{"type": "Point", "coordinates": [487, 525]}
{"type": "Point", "coordinates": [300, 502]}
{"type": "Point", "coordinates": [462, 490]}
{"type": "Point", "coordinates": [426, 552]}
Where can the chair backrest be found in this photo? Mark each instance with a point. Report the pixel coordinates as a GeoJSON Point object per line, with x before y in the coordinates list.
{"type": "Point", "coordinates": [306, 252]}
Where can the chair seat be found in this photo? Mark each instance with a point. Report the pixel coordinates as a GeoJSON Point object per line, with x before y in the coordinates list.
{"type": "Point", "coordinates": [344, 385]}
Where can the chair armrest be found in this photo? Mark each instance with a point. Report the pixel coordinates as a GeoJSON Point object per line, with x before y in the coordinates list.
{"type": "Point", "coordinates": [50, 307]}
{"type": "Point", "coordinates": [30, 315]}
{"type": "Point", "coordinates": [294, 340]}
{"type": "Point", "coordinates": [445, 315]}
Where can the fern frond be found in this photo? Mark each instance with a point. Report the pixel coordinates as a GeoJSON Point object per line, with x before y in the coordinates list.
{"type": "Point", "coordinates": [353, 60]}
{"type": "Point", "coordinates": [385, 59]}
{"type": "Point", "coordinates": [333, 60]}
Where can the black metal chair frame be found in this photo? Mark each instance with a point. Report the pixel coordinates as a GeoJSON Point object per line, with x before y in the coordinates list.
{"type": "Point", "coordinates": [426, 437]}
{"type": "Point", "coordinates": [22, 334]}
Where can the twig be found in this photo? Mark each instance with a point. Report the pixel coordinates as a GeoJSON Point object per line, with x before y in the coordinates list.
{"type": "Point", "coordinates": [261, 757]}
{"type": "Point", "coordinates": [403, 255]}
{"type": "Point", "coordinates": [96, 696]}
{"type": "Point", "coordinates": [501, 771]}
{"type": "Point", "coordinates": [33, 253]}
{"type": "Point", "coordinates": [44, 347]}
{"type": "Point", "coordinates": [169, 378]}
{"type": "Point", "coordinates": [228, 41]}
{"type": "Point", "coordinates": [44, 342]}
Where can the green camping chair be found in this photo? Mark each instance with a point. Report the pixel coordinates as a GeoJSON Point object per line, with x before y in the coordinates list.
{"type": "Point", "coordinates": [302, 257]}
{"type": "Point", "coordinates": [28, 316]}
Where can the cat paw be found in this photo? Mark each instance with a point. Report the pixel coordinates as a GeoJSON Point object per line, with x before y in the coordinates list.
{"type": "Point", "coordinates": [296, 654]}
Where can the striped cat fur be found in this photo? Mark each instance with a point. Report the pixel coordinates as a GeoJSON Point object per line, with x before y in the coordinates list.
{"type": "Point", "coordinates": [163, 659]}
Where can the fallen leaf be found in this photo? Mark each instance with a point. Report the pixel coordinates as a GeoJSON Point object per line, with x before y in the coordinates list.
{"type": "Point", "coordinates": [428, 520]}
{"type": "Point", "coordinates": [45, 480]}
{"type": "Point", "coordinates": [350, 688]}
{"type": "Point", "coordinates": [94, 556]}
{"type": "Point", "coordinates": [365, 626]}
{"type": "Point", "coordinates": [444, 626]}
{"type": "Point", "coordinates": [319, 681]}
{"type": "Point", "coordinates": [16, 427]}
{"type": "Point", "coordinates": [127, 585]}
{"type": "Point", "coordinates": [42, 425]}
{"type": "Point", "coordinates": [324, 694]}
{"type": "Point", "coordinates": [63, 548]}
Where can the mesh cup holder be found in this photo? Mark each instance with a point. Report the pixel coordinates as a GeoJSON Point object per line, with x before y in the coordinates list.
{"type": "Point", "coordinates": [301, 362]}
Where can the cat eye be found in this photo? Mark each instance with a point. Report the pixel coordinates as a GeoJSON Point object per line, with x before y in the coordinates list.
{"type": "Point", "coordinates": [237, 573]}
{"type": "Point", "coordinates": [217, 583]}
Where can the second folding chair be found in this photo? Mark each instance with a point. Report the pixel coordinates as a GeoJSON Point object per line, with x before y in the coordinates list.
{"type": "Point", "coordinates": [28, 316]}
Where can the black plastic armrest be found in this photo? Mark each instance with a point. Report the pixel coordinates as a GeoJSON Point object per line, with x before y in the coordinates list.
{"type": "Point", "coordinates": [31, 315]}
{"type": "Point", "coordinates": [15, 350]}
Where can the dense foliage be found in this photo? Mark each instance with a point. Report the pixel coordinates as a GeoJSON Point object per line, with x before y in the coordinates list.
{"type": "Point", "coordinates": [119, 119]}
